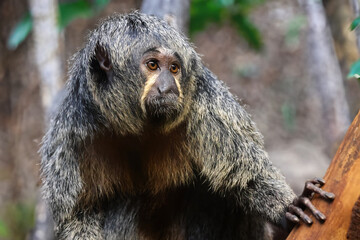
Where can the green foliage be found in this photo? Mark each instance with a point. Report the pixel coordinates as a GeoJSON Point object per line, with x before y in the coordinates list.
{"type": "Point", "coordinates": [235, 12]}
{"type": "Point", "coordinates": [355, 23]}
{"type": "Point", "coordinates": [20, 31]}
{"type": "Point", "coordinates": [355, 70]}
{"type": "Point", "coordinates": [244, 26]}
{"type": "Point", "coordinates": [68, 11]}
{"type": "Point", "coordinates": [4, 232]}
{"type": "Point", "coordinates": [19, 220]}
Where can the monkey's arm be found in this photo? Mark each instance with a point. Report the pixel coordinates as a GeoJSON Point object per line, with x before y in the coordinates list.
{"type": "Point", "coordinates": [61, 152]}
{"type": "Point", "coordinates": [231, 153]}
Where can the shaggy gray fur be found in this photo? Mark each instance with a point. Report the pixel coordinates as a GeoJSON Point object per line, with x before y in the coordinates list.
{"type": "Point", "coordinates": [226, 189]}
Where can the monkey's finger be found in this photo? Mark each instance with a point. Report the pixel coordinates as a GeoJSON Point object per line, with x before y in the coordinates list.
{"type": "Point", "coordinates": [300, 213]}
{"type": "Point", "coordinates": [313, 182]}
{"type": "Point", "coordinates": [317, 180]}
{"type": "Point", "coordinates": [319, 215]}
{"type": "Point", "coordinates": [292, 218]}
{"type": "Point", "coordinates": [310, 187]}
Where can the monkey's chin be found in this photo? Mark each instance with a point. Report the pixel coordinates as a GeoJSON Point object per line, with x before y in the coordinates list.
{"type": "Point", "coordinates": [162, 110]}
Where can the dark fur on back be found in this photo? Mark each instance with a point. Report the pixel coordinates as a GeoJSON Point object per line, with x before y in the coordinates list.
{"type": "Point", "coordinates": [109, 173]}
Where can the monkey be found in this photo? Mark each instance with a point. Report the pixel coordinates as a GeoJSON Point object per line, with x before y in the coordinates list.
{"type": "Point", "coordinates": [148, 144]}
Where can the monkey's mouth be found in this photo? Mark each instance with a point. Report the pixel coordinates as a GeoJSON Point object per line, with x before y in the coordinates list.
{"type": "Point", "coordinates": [162, 109]}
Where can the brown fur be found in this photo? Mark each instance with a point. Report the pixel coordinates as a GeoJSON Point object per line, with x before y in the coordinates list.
{"type": "Point", "coordinates": [134, 164]}
{"type": "Point", "coordinates": [164, 213]}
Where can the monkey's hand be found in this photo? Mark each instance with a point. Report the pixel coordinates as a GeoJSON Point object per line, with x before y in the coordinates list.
{"type": "Point", "coordinates": [296, 212]}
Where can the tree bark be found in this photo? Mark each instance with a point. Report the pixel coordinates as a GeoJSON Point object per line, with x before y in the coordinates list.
{"type": "Point", "coordinates": [325, 73]}
{"type": "Point", "coordinates": [354, 229]}
{"type": "Point", "coordinates": [44, 224]}
{"type": "Point", "coordinates": [343, 179]}
{"type": "Point", "coordinates": [48, 61]}
{"type": "Point", "coordinates": [47, 48]}
{"type": "Point", "coordinates": [175, 12]}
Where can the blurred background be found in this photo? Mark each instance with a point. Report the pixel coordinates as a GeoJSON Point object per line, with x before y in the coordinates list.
{"type": "Point", "coordinates": [292, 64]}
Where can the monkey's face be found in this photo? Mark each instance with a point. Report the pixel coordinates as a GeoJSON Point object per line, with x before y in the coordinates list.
{"type": "Point", "coordinates": [162, 97]}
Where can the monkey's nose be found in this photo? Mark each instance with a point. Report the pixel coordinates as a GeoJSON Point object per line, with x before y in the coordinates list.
{"type": "Point", "coordinates": [167, 86]}
{"type": "Point", "coordinates": [167, 89]}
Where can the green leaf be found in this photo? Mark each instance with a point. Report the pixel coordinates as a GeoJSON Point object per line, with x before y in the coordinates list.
{"type": "Point", "coordinates": [3, 229]}
{"type": "Point", "coordinates": [205, 12]}
{"type": "Point", "coordinates": [69, 11]}
{"type": "Point", "coordinates": [355, 70]}
{"type": "Point", "coordinates": [247, 30]}
{"type": "Point", "coordinates": [20, 32]}
{"type": "Point", "coordinates": [355, 23]}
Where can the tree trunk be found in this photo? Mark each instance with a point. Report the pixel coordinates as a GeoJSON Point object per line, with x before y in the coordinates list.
{"type": "Point", "coordinates": [47, 55]}
{"type": "Point", "coordinates": [175, 12]}
{"type": "Point", "coordinates": [47, 48]}
{"type": "Point", "coordinates": [326, 75]}
{"type": "Point", "coordinates": [343, 179]}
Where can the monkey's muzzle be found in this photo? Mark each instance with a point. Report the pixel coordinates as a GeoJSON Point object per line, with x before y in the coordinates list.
{"type": "Point", "coordinates": [163, 108]}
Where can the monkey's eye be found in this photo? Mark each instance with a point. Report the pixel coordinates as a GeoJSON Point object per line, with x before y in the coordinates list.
{"type": "Point", "coordinates": [174, 68]}
{"type": "Point", "coordinates": [152, 65]}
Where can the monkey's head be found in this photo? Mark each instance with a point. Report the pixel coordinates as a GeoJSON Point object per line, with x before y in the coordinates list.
{"type": "Point", "coordinates": [140, 72]}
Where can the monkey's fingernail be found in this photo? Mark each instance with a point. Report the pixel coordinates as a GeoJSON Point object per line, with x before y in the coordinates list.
{"type": "Point", "coordinates": [320, 180]}
{"type": "Point", "coordinates": [330, 195]}
{"type": "Point", "coordinates": [308, 221]}
{"type": "Point", "coordinates": [321, 216]}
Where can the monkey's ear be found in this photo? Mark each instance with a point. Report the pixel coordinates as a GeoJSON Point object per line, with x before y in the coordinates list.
{"type": "Point", "coordinates": [103, 58]}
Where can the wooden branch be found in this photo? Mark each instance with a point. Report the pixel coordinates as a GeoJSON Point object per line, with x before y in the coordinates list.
{"type": "Point", "coordinates": [354, 229]}
{"type": "Point", "coordinates": [343, 179]}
